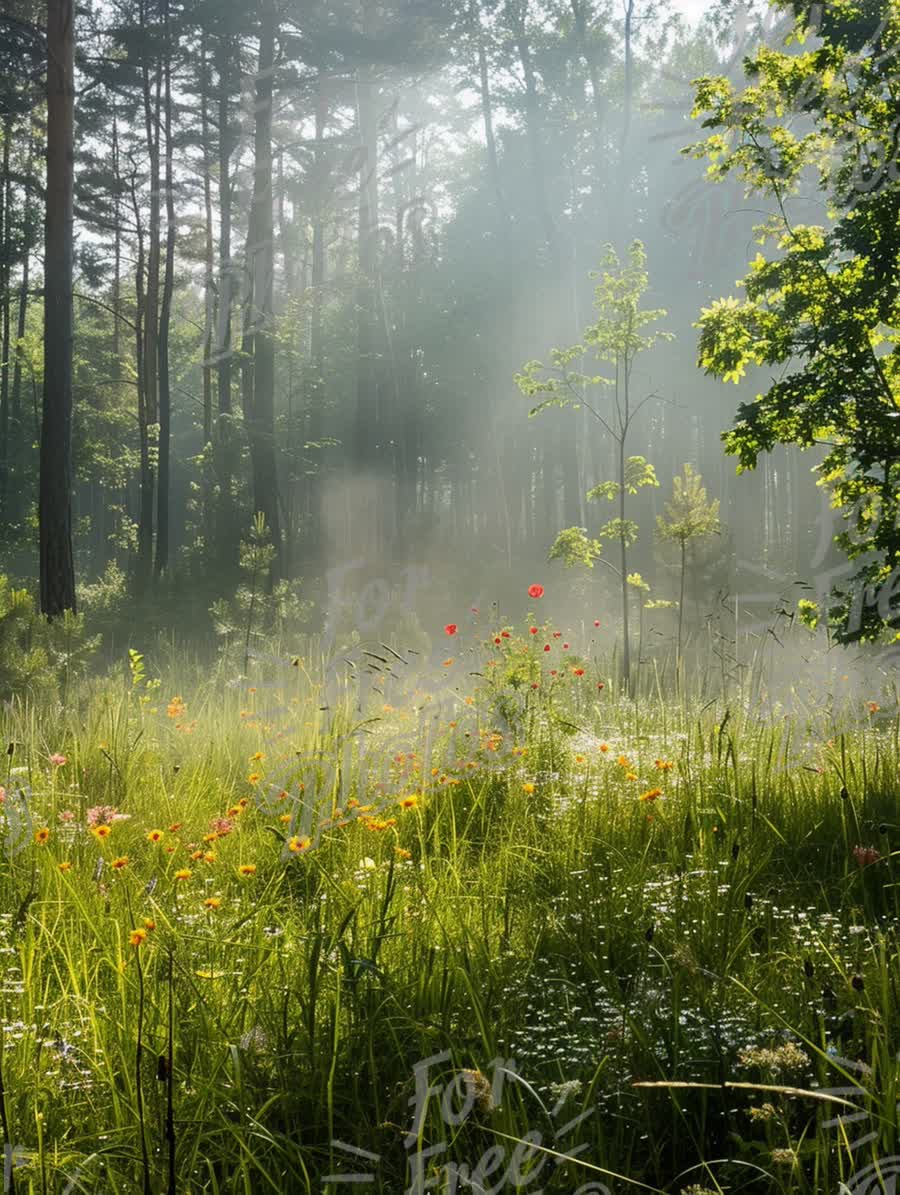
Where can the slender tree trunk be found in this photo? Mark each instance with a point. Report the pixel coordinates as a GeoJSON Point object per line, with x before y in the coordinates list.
{"type": "Point", "coordinates": [14, 496]}
{"type": "Point", "coordinates": [579, 14]}
{"type": "Point", "coordinates": [209, 294]}
{"type": "Point", "coordinates": [681, 597]}
{"type": "Point", "coordinates": [209, 280]}
{"type": "Point", "coordinates": [517, 11]}
{"type": "Point", "coordinates": [226, 431]}
{"type": "Point", "coordinates": [623, 565]}
{"type": "Point", "coordinates": [151, 101]}
{"type": "Point", "coordinates": [261, 426]}
{"type": "Point", "coordinates": [57, 568]}
{"type": "Point", "coordinates": [6, 454]}
{"type": "Point", "coordinates": [165, 394]}
{"type": "Point", "coordinates": [490, 140]}
{"type": "Point", "coordinates": [117, 241]}
{"type": "Point", "coordinates": [314, 380]}
{"type": "Point", "coordinates": [621, 208]}
{"type": "Point", "coordinates": [366, 429]}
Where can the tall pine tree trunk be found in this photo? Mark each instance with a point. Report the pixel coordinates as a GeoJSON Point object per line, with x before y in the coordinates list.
{"type": "Point", "coordinates": [262, 404]}
{"type": "Point", "coordinates": [165, 394]}
{"type": "Point", "coordinates": [209, 294]}
{"type": "Point", "coordinates": [366, 427]}
{"type": "Point", "coordinates": [517, 12]}
{"type": "Point", "coordinates": [57, 569]}
{"type": "Point", "coordinates": [314, 377]}
{"type": "Point", "coordinates": [6, 454]}
{"type": "Point", "coordinates": [145, 474]}
{"type": "Point", "coordinates": [151, 89]}
{"type": "Point", "coordinates": [226, 433]}
{"type": "Point", "coordinates": [14, 495]}
{"type": "Point", "coordinates": [208, 253]}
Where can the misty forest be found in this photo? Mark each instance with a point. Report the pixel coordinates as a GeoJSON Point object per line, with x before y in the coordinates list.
{"type": "Point", "coordinates": [449, 596]}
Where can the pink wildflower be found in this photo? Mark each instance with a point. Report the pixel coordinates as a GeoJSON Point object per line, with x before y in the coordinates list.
{"type": "Point", "coordinates": [866, 855]}
{"type": "Point", "coordinates": [101, 815]}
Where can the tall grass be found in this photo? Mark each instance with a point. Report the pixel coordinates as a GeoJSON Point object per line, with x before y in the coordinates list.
{"type": "Point", "coordinates": [680, 978]}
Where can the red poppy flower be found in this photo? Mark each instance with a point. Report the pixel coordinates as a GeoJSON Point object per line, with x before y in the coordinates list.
{"type": "Point", "coordinates": [600, 685]}
{"type": "Point", "coordinates": [497, 639]}
{"type": "Point", "coordinates": [579, 671]}
{"type": "Point", "coordinates": [546, 647]}
{"type": "Point", "coordinates": [565, 647]}
{"type": "Point", "coordinates": [535, 685]}
{"type": "Point", "coordinates": [553, 672]}
{"type": "Point", "coordinates": [596, 622]}
{"type": "Point", "coordinates": [557, 634]}
{"type": "Point", "coordinates": [450, 628]}
{"type": "Point", "coordinates": [533, 630]}
{"type": "Point", "coordinates": [505, 634]}
{"type": "Point", "coordinates": [535, 591]}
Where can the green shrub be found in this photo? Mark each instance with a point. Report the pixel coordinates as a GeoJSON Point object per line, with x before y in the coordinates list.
{"type": "Point", "coordinates": [36, 656]}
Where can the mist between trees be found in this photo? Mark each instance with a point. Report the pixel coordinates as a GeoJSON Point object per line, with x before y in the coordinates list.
{"type": "Point", "coordinates": [314, 244]}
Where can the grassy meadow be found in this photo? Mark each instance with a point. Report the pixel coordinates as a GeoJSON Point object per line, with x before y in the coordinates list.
{"type": "Point", "coordinates": [468, 919]}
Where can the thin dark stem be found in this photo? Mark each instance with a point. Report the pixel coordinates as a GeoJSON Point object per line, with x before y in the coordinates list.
{"type": "Point", "coordinates": [9, 1179]}
{"type": "Point", "coordinates": [138, 1067]}
{"type": "Point", "coordinates": [170, 1083]}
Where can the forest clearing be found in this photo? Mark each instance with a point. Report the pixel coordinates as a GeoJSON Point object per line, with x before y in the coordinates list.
{"type": "Point", "coordinates": [449, 577]}
{"type": "Point", "coordinates": [241, 920]}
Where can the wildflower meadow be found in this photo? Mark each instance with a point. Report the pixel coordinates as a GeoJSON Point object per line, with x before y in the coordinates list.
{"type": "Point", "coordinates": [481, 921]}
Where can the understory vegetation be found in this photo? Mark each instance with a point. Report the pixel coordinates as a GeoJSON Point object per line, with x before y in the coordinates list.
{"type": "Point", "coordinates": [248, 915]}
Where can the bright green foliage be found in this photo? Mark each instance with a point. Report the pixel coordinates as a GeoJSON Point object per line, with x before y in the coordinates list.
{"type": "Point", "coordinates": [809, 613]}
{"type": "Point", "coordinates": [37, 656]}
{"type": "Point", "coordinates": [617, 337]}
{"type": "Point", "coordinates": [638, 473]}
{"type": "Point", "coordinates": [257, 608]}
{"type": "Point", "coordinates": [688, 515]}
{"type": "Point", "coordinates": [23, 663]}
{"type": "Point", "coordinates": [606, 489]}
{"type": "Point", "coordinates": [626, 531]}
{"type": "Point", "coordinates": [621, 331]}
{"type": "Point", "coordinates": [825, 301]}
{"type": "Point", "coordinates": [573, 547]}
{"type": "Point", "coordinates": [136, 668]}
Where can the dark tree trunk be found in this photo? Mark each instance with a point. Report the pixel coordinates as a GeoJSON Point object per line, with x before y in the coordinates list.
{"type": "Point", "coordinates": [165, 397]}
{"type": "Point", "coordinates": [314, 380]}
{"type": "Point", "coordinates": [117, 241]}
{"type": "Point", "coordinates": [151, 101]}
{"type": "Point", "coordinates": [366, 429]}
{"type": "Point", "coordinates": [57, 569]}
{"type": "Point", "coordinates": [145, 477]}
{"type": "Point", "coordinates": [6, 453]}
{"type": "Point", "coordinates": [14, 496]}
{"type": "Point", "coordinates": [621, 214]}
{"type": "Point", "coordinates": [579, 13]}
{"type": "Point", "coordinates": [487, 120]}
{"type": "Point", "coordinates": [226, 432]}
{"type": "Point", "coordinates": [262, 245]}
{"type": "Point", "coordinates": [517, 14]}
{"type": "Point", "coordinates": [209, 291]}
